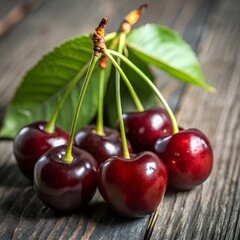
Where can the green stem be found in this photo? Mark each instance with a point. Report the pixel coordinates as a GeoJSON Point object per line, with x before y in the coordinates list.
{"type": "Point", "coordinates": [110, 36]}
{"type": "Point", "coordinates": [50, 127]}
{"type": "Point", "coordinates": [122, 38]}
{"type": "Point", "coordinates": [135, 97]}
{"type": "Point", "coordinates": [126, 154]}
{"type": "Point", "coordinates": [151, 85]}
{"type": "Point", "coordinates": [114, 42]}
{"type": "Point", "coordinates": [99, 125]}
{"type": "Point", "coordinates": [68, 155]}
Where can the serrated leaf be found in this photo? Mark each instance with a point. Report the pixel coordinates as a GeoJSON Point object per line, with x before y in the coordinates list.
{"type": "Point", "coordinates": [145, 94]}
{"type": "Point", "coordinates": [163, 48]}
{"type": "Point", "coordinates": [38, 94]}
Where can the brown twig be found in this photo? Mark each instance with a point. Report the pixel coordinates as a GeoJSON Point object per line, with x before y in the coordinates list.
{"type": "Point", "coordinates": [132, 18]}
{"type": "Point", "coordinates": [98, 41]}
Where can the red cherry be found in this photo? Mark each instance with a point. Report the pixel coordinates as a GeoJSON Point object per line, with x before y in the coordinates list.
{"type": "Point", "coordinates": [64, 186]}
{"type": "Point", "coordinates": [144, 128]}
{"type": "Point", "coordinates": [32, 142]}
{"type": "Point", "coordinates": [188, 157]}
{"type": "Point", "coordinates": [101, 147]}
{"type": "Point", "coordinates": [133, 187]}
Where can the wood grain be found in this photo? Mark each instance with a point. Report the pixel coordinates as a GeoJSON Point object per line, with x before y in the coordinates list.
{"type": "Point", "coordinates": [17, 14]}
{"type": "Point", "coordinates": [211, 211]}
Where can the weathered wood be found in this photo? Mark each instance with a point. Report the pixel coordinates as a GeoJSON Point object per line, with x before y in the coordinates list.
{"type": "Point", "coordinates": [17, 14]}
{"type": "Point", "coordinates": [210, 211]}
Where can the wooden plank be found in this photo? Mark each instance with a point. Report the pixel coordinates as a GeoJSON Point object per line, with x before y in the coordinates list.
{"type": "Point", "coordinates": [6, 6]}
{"type": "Point", "coordinates": [16, 14]}
{"type": "Point", "coordinates": [212, 210]}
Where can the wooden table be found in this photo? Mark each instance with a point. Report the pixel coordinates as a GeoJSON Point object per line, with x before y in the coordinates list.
{"type": "Point", "coordinates": [210, 211]}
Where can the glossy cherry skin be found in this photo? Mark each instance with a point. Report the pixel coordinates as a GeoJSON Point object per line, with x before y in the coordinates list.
{"type": "Point", "coordinates": [101, 147]}
{"type": "Point", "coordinates": [133, 187]}
{"type": "Point", "coordinates": [188, 157]}
{"type": "Point", "coordinates": [144, 128]}
{"type": "Point", "coordinates": [65, 187]}
{"type": "Point", "coordinates": [32, 142]}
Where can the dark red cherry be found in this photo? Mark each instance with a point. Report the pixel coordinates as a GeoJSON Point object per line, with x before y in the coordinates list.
{"type": "Point", "coordinates": [101, 147]}
{"type": "Point", "coordinates": [135, 187]}
{"type": "Point", "coordinates": [144, 128]}
{"type": "Point", "coordinates": [188, 157]}
{"type": "Point", "coordinates": [32, 142]}
{"type": "Point", "coordinates": [62, 186]}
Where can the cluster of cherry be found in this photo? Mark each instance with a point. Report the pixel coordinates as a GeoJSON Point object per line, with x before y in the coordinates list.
{"type": "Point", "coordinates": [131, 175]}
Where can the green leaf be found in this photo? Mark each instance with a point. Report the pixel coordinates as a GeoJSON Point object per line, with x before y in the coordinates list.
{"type": "Point", "coordinates": [163, 48]}
{"type": "Point", "coordinates": [145, 94]}
{"type": "Point", "coordinates": [39, 92]}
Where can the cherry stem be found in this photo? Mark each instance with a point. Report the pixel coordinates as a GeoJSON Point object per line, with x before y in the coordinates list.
{"type": "Point", "coordinates": [134, 95]}
{"type": "Point", "coordinates": [110, 36]}
{"type": "Point", "coordinates": [50, 127]}
{"type": "Point", "coordinates": [151, 85]}
{"type": "Point", "coordinates": [99, 125]}
{"type": "Point", "coordinates": [68, 155]}
{"type": "Point", "coordinates": [126, 154]}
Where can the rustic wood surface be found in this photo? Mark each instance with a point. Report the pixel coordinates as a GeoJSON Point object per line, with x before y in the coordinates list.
{"type": "Point", "coordinates": [210, 211]}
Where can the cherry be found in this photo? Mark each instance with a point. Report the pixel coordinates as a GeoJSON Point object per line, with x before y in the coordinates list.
{"type": "Point", "coordinates": [133, 187]}
{"type": "Point", "coordinates": [188, 157]}
{"type": "Point", "coordinates": [65, 177]}
{"type": "Point", "coordinates": [101, 147]}
{"type": "Point", "coordinates": [144, 128]}
{"type": "Point", "coordinates": [32, 142]}
{"type": "Point", "coordinates": [65, 186]}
